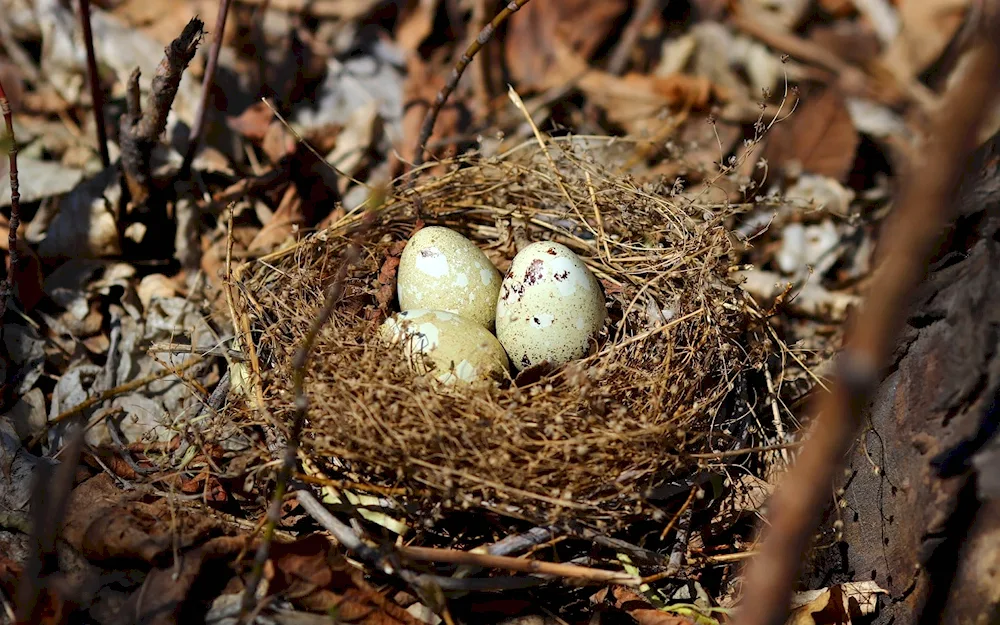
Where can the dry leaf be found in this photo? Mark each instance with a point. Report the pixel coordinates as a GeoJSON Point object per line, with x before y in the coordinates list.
{"type": "Point", "coordinates": [416, 25]}
{"type": "Point", "coordinates": [254, 122]}
{"type": "Point", "coordinates": [422, 86]}
{"type": "Point", "coordinates": [818, 138]}
{"type": "Point", "coordinates": [536, 31]}
{"type": "Point", "coordinates": [836, 605]}
{"type": "Point", "coordinates": [282, 225]}
{"type": "Point", "coordinates": [926, 29]}
{"type": "Point", "coordinates": [314, 576]}
{"type": "Point", "coordinates": [636, 606]}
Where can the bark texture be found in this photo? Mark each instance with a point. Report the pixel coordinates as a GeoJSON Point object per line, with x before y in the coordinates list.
{"type": "Point", "coordinates": [921, 536]}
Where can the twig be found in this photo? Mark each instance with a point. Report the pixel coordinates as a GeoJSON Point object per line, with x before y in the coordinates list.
{"type": "Point", "coordinates": [456, 74]}
{"type": "Point", "coordinates": [625, 45]}
{"type": "Point", "coordinates": [15, 201]}
{"type": "Point", "coordinates": [140, 131]}
{"type": "Point", "coordinates": [299, 366]}
{"type": "Point", "coordinates": [206, 88]}
{"type": "Point", "coordinates": [95, 83]}
{"type": "Point", "coordinates": [103, 396]}
{"type": "Point", "coordinates": [520, 565]}
{"type": "Point", "coordinates": [910, 236]}
{"type": "Point", "coordinates": [421, 581]}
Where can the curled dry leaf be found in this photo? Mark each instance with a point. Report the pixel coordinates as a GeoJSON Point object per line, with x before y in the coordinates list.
{"type": "Point", "coordinates": [422, 86]}
{"type": "Point", "coordinates": [818, 138]}
{"type": "Point", "coordinates": [636, 606]}
{"type": "Point", "coordinates": [535, 33]}
{"type": "Point", "coordinates": [926, 29]}
{"type": "Point", "coordinates": [836, 605]}
{"type": "Point", "coordinates": [314, 576]}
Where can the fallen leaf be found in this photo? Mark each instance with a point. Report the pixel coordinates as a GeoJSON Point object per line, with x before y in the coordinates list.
{"type": "Point", "coordinates": [38, 180]}
{"type": "Point", "coordinates": [254, 122]}
{"type": "Point", "coordinates": [636, 606]}
{"type": "Point", "coordinates": [812, 299]}
{"type": "Point", "coordinates": [155, 286]}
{"type": "Point", "coordinates": [536, 31]}
{"type": "Point", "coordinates": [166, 591]}
{"type": "Point", "coordinates": [422, 87]}
{"type": "Point", "coordinates": [836, 605]}
{"type": "Point", "coordinates": [314, 576]}
{"type": "Point", "coordinates": [926, 29]}
{"type": "Point", "coordinates": [416, 24]}
{"type": "Point", "coordinates": [283, 223]}
{"type": "Point", "coordinates": [105, 523]}
{"type": "Point", "coordinates": [85, 225]}
{"type": "Point", "coordinates": [819, 138]}
{"type": "Point", "coordinates": [27, 276]}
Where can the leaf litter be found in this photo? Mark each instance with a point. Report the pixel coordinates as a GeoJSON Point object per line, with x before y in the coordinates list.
{"type": "Point", "coordinates": [175, 481]}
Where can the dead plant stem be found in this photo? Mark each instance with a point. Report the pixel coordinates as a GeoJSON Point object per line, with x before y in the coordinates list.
{"type": "Point", "coordinates": [198, 129]}
{"type": "Point", "coordinates": [15, 202]}
{"type": "Point", "coordinates": [96, 94]}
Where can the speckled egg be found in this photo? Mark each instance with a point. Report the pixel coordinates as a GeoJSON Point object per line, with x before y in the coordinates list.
{"type": "Point", "coordinates": [457, 348]}
{"type": "Point", "coordinates": [442, 270]}
{"type": "Point", "coordinates": [550, 308]}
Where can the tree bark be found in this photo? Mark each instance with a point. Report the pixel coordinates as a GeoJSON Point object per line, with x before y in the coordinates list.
{"type": "Point", "coordinates": [924, 537]}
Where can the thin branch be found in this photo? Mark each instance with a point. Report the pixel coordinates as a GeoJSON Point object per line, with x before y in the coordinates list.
{"type": "Point", "coordinates": [95, 83]}
{"type": "Point", "coordinates": [456, 74]}
{"type": "Point", "coordinates": [300, 366]}
{"type": "Point", "coordinates": [623, 49]}
{"type": "Point", "coordinates": [520, 565]}
{"type": "Point", "coordinates": [140, 130]}
{"type": "Point", "coordinates": [910, 236]}
{"type": "Point", "coordinates": [206, 89]}
{"type": "Point", "coordinates": [15, 201]}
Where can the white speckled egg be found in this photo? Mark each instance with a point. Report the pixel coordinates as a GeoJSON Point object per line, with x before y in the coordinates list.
{"type": "Point", "coordinates": [550, 308]}
{"type": "Point", "coordinates": [442, 270]}
{"type": "Point", "coordinates": [457, 348]}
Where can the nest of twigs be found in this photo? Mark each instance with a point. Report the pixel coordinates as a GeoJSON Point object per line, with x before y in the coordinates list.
{"type": "Point", "coordinates": [586, 442]}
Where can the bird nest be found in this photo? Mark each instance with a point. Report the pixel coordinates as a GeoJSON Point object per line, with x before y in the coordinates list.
{"type": "Point", "coordinates": [587, 442]}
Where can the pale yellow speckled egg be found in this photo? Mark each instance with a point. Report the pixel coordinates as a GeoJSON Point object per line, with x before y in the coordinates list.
{"type": "Point", "coordinates": [458, 349]}
{"type": "Point", "coordinates": [442, 270]}
{"type": "Point", "coordinates": [551, 307]}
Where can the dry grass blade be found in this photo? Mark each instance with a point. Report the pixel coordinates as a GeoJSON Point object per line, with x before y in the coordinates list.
{"type": "Point", "coordinates": [910, 236]}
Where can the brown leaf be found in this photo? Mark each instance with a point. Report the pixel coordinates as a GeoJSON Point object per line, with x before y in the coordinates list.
{"type": "Point", "coordinates": [282, 225]}
{"type": "Point", "coordinates": [926, 29]}
{"type": "Point", "coordinates": [836, 605]}
{"type": "Point", "coordinates": [164, 593]}
{"type": "Point", "coordinates": [104, 523]}
{"type": "Point", "coordinates": [314, 576]}
{"type": "Point", "coordinates": [422, 86]}
{"type": "Point", "coordinates": [416, 25]}
{"type": "Point", "coordinates": [254, 122]}
{"type": "Point", "coordinates": [637, 607]}
{"type": "Point", "coordinates": [535, 32]}
{"type": "Point", "coordinates": [819, 137]}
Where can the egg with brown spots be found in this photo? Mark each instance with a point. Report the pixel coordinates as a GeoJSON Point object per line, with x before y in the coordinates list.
{"type": "Point", "coordinates": [442, 270]}
{"type": "Point", "coordinates": [551, 307]}
{"type": "Point", "coordinates": [452, 348]}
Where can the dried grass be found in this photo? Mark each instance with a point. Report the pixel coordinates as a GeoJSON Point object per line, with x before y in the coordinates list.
{"type": "Point", "coordinates": [582, 443]}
